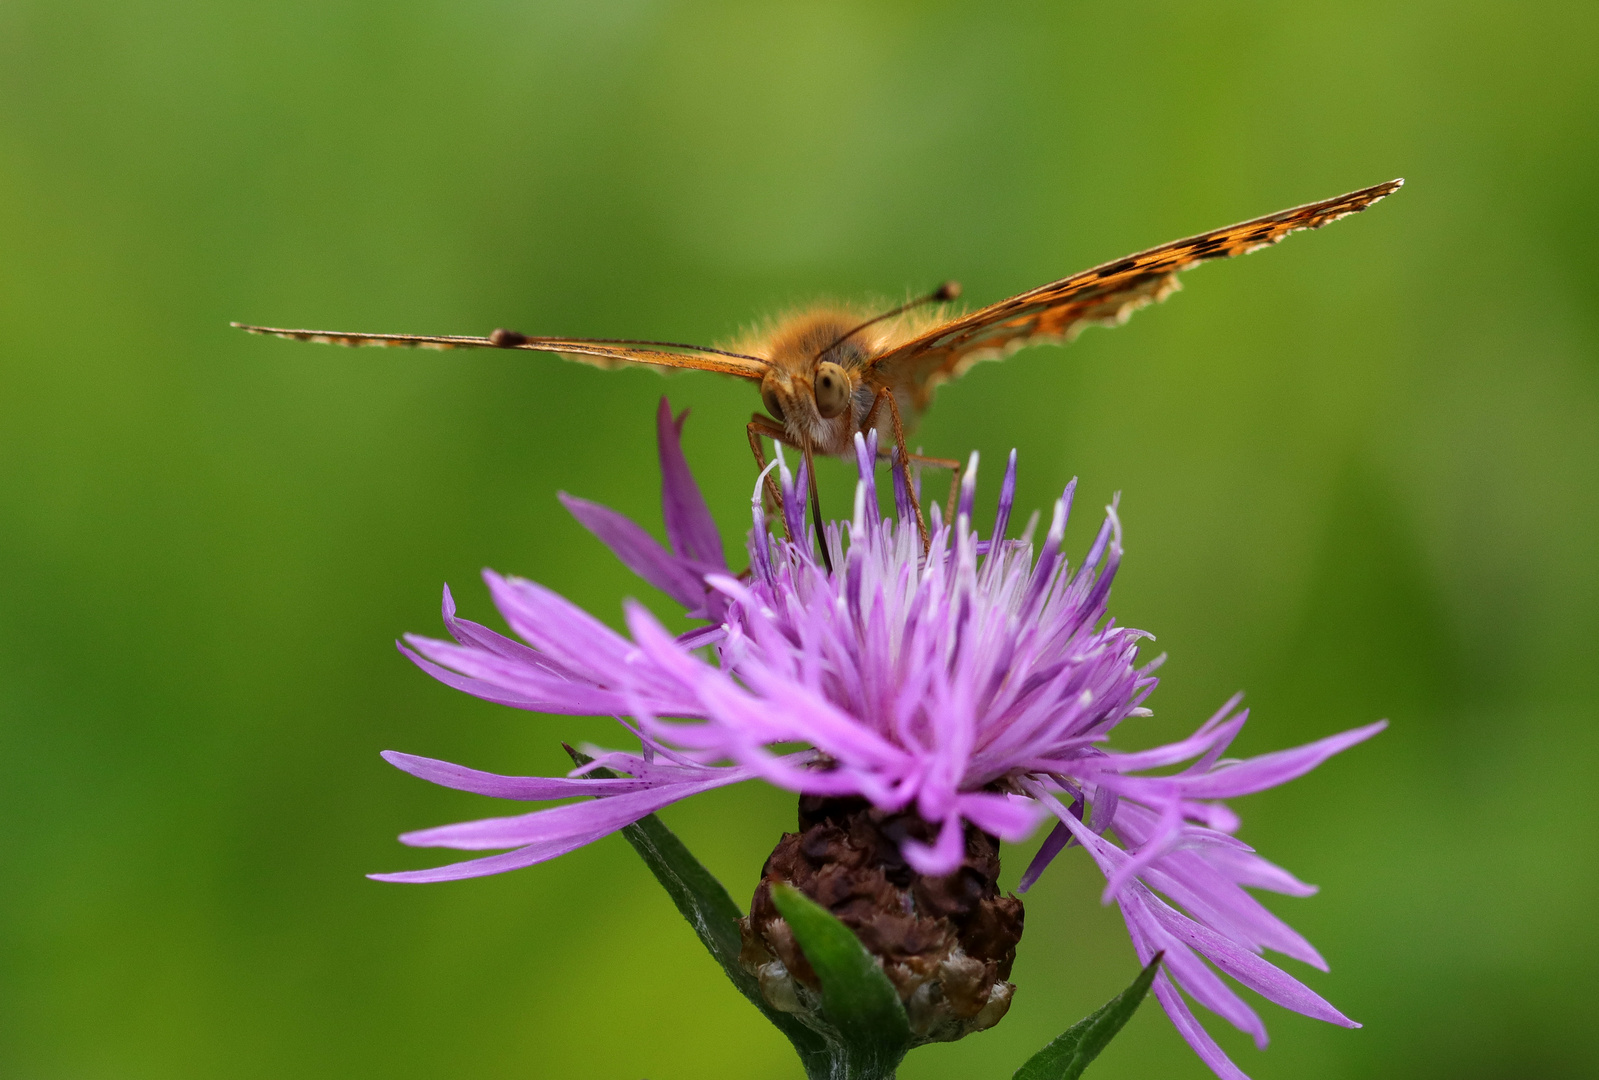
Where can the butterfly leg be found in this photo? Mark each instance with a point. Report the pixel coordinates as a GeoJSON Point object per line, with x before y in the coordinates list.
{"type": "Point", "coordinates": [951, 464]}
{"type": "Point", "coordinates": [954, 468]}
{"type": "Point", "coordinates": [757, 427]}
{"type": "Point", "coordinates": [934, 463]}
{"type": "Point", "coordinates": [886, 396]}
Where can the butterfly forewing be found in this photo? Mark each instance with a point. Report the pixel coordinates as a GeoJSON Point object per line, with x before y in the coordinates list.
{"type": "Point", "coordinates": [1104, 294]}
{"type": "Point", "coordinates": [583, 352]}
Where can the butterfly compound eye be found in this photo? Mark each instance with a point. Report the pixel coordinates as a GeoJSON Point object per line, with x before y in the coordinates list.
{"type": "Point", "coordinates": [770, 400]}
{"type": "Point", "coordinates": [832, 389]}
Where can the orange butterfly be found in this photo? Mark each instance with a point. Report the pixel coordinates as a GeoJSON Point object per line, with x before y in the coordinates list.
{"type": "Point", "coordinates": [826, 373]}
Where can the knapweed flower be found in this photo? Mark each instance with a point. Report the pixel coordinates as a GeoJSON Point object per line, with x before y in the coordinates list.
{"type": "Point", "coordinates": [921, 703]}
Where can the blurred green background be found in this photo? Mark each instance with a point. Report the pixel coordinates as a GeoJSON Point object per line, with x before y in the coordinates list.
{"type": "Point", "coordinates": [1360, 478]}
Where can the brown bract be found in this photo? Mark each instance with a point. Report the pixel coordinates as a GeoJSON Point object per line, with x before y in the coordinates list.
{"type": "Point", "coordinates": [946, 943]}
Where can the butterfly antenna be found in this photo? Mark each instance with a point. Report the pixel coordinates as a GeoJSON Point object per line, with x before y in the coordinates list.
{"type": "Point", "coordinates": [509, 339]}
{"type": "Point", "coordinates": [946, 292]}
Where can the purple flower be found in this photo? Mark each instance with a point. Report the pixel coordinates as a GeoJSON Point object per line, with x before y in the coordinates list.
{"type": "Point", "coordinates": [971, 683]}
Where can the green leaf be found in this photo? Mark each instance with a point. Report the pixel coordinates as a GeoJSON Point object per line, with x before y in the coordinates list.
{"type": "Point", "coordinates": [704, 902]}
{"type": "Point", "coordinates": [857, 998]}
{"type": "Point", "coordinates": [1068, 1055]}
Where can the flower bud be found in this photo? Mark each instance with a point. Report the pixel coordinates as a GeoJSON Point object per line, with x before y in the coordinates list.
{"type": "Point", "coordinates": [946, 943]}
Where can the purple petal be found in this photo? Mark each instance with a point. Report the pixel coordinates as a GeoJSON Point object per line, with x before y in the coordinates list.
{"type": "Point", "coordinates": [561, 823]}
{"type": "Point", "coordinates": [1226, 908]}
{"type": "Point", "coordinates": [944, 856]}
{"type": "Point", "coordinates": [790, 713]}
{"type": "Point", "coordinates": [1097, 550]}
{"type": "Point", "coordinates": [867, 514]}
{"type": "Point", "coordinates": [555, 625]}
{"type": "Point", "coordinates": [1161, 840]}
{"type": "Point", "coordinates": [1187, 969]}
{"type": "Point", "coordinates": [1191, 1031]}
{"type": "Point", "coordinates": [1048, 558]}
{"type": "Point", "coordinates": [903, 510]}
{"type": "Point", "coordinates": [576, 699]}
{"type": "Point", "coordinates": [796, 496]}
{"type": "Point", "coordinates": [1172, 753]}
{"type": "Point", "coordinates": [527, 788]}
{"type": "Point", "coordinates": [639, 551]}
{"type": "Point", "coordinates": [1257, 873]}
{"type": "Point", "coordinates": [1009, 817]}
{"type": "Point", "coordinates": [494, 678]}
{"type": "Point", "coordinates": [759, 542]}
{"type": "Point", "coordinates": [1237, 910]}
{"type": "Point", "coordinates": [1007, 495]}
{"type": "Point", "coordinates": [703, 636]}
{"type": "Point", "coordinates": [473, 635]}
{"type": "Point", "coordinates": [1270, 770]}
{"type": "Point", "coordinates": [1102, 814]}
{"type": "Point", "coordinates": [968, 491]}
{"type": "Point", "coordinates": [1053, 845]}
{"type": "Point", "coordinates": [1096, 596]}
{"type": "Point", "coordinates": [689, 525]}
{"type": "Point", "coordinates": [1195, 879]}
{"type": "Point", "coordinates": [493, 864]}
{"type": "Point", "coordinates": [1266, 980]}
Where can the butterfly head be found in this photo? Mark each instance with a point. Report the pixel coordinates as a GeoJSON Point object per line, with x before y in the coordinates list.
{"type": "Point", "coordinates": [823, 393]}
{"type": "Point", "coordinates": [815, 390]}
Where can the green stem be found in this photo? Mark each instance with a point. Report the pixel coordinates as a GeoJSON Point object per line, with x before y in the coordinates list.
{"type": "Point", "coordinates": [844, 1063]}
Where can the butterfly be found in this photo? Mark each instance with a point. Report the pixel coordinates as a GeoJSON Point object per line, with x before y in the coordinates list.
{"type": "Point", "coordinates": [826, 373]}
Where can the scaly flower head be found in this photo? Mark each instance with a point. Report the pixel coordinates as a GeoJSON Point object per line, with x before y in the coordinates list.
{"type": "Point", "coordinates": [970, 690]}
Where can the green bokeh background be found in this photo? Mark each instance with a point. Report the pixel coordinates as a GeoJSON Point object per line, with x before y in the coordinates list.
{"type": "Point", "coordinates": [1358, 472]}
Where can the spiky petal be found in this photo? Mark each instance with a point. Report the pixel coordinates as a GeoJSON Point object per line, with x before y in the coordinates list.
{"type": "Point", "coordinates": [977, 683]}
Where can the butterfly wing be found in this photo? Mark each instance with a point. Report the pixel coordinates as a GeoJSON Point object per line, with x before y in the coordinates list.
{"type": "Point", "coordinates": [1106, 294]}
{"type": "Point", "coordinates": [595, 354]}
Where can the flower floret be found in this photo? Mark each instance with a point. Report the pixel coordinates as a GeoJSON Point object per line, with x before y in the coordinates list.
{"type": "Point", "coordinates": [969, 683]}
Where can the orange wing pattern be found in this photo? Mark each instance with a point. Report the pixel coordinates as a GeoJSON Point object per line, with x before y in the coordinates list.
{"type": "Point", "coordinates": [1106, 294]}
{"type": "Point", "coordinates": [596, 354]}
